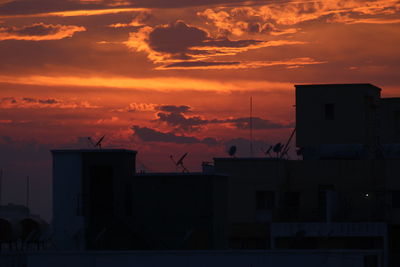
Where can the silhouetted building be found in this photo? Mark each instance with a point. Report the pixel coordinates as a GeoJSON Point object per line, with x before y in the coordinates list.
{"type": "Point", "coordinates": [90, 188]}
{"type": "Point", "coordinates": [390, 121]}
{"type": "Point", "coordinates": [100, 203]}
{"type": "Point", "coordinates": [343, 197]}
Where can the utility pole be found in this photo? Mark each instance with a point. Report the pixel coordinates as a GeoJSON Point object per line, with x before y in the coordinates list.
{"type": "Point", "coordinates": [27, 192]}
{"type": "Point", "coordinates": [251, 126]}
{"type": "Point", "coordinates": [1, 185]}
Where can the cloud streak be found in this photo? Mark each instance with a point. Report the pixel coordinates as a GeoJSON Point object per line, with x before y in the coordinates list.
{"type": "Point", "coordinates": [76, 13]}
{"type": "Point", "coordinates": [29, 102]}
{"type": "Point", "coordinates": [175, 116]}
{"type": "Point", "coordinates": [39, 32]}
{"type": "Point", "coordinates": [151, 135]}
{"type": "Point", "coordinates": [162, 84]}
{"type": "Point", "coordinates": [204, 65]}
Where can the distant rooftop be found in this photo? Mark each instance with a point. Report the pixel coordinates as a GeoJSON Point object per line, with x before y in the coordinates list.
{"type": "Point", "coordinates": [169, 174]}
{"type": "Point", "coordinates": [338, 86]}
{"type": "Point", "coordinates": [248, 159]}
{"type": "Point", "coordinates": [94, 151]}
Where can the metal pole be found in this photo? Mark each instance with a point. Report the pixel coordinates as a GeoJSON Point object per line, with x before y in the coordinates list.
{"type": "Point", "coordinates": [251, 126]}
{"type": "Point", "coordinates": [1, 185]}
{"type": "Point", "coordinates": [27, 192]}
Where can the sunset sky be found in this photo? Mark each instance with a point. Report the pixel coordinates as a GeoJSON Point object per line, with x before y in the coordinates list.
{"type": "Point", "coordinates": [173, 76]}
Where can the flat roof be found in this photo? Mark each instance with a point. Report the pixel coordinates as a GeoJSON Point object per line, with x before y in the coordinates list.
{"type": "Point", "coordinates": [338, 85]}
{"type": "Point", "coordinates": [249, 159]}
{"type": "Point", "coordinates": [390, 99]}
{"type": "Point", "coordinates": [106, 150]}
{"type": "Point", "coordinates": [180, 174]}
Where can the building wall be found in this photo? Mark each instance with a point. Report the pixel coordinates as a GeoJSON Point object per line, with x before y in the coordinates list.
{"type": "Point", "coordinates": [390, 120]}
{"type": "Point", "coordinates": [237, 258]}
{"type": "Point", "coordinates": [181, 211]}
{"type": "Point", "coordinates": [359, 190]}
{"type": "Point", "coordinates": [68, 222]}
{"type": "Point", "coordinates": [246, 176]}
{"type": "Point", "coordinates": [89, 195]}
{"type": "Point", "coordinates": [351, 118]}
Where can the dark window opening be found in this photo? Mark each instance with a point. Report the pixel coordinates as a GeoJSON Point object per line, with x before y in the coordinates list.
{"type": "Point", "coordinates": [101, 190]}
{"type": "Point", "coordinates": [396, 199]}
{"type": "Point", "coordinates": [329, 111]}
{"type": "Point", "coordinates": [265, 200]}
{"type": "Point", "coordinates": [291, 199]}
{"type": "Point", "coordinates": [322, 199]}
{"type": "Point", "coordinates": [371, 261]}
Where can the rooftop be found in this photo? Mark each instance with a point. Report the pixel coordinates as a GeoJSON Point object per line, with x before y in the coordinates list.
{"type": "Point", "coordinates": [93, 151]}
{"type": "Point", "coordinates": [338, 86]}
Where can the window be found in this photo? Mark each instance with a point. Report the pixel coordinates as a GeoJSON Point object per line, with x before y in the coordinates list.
{"type": "Point", "coordinates": [396, 199]}
{"type": "Point", "coordinates": [265, 200]}
{"type": "Point", "coordinates": [329, 111]}
{"type": "Point", "coordinates": [291, 199]}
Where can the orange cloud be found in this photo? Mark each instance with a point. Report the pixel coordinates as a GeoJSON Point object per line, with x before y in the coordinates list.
{"type": "Point", "coordinates": [293, 63]}
{"type": "Point", "coordinates": [346, 19]}
{"type": "Point", "coordinates": [271, 17]}
{"type": "Point", "coordinates": [28, 102]}
{"type": "Point", "coordinates": [138, 20]}
{"type": "Point", "coordinates": [39, 32]}
{"type": "Point", "coordinates": [133, 107]}
{"type": "Point", "coordinates": [77, 13]}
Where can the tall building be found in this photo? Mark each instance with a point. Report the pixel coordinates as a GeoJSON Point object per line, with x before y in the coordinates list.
{"type": "Point", "coordinates": [90, 192]}
{"type": "Point", "coordinates": [336, 114]}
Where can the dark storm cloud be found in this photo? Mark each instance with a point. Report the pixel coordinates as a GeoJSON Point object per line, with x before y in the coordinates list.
{"type": "Point", "coordinates": [151, 135]}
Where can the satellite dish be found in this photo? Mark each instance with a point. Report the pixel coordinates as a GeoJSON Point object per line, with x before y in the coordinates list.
{"type": "Point", "coordinates": [232, 151]}
{"type": "Point", "coordinates": [179, 163]}
{"type": "Point", "coordinates": [98, 144]}
{"type": "Point", "coordinates": [277, 148]}
{"type": "Point", "coordinates": [299, 151]}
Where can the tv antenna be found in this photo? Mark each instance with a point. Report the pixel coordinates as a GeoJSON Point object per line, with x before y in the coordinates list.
{"type": "Point", "coordinates": [179, 163]}
{"type": "Point", "coordinates": [267, 152]}
{"type": "Point", "coordinates": [232, 151]}
{"type": "Point", "coordinates": [277, 149]}
{"type": "Point", "coordinates": [286, 147]}
{"type": "Point", "coordinates": [96, 144]}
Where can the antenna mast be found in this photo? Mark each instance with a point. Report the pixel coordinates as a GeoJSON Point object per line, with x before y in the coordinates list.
{"type": "Point", "coordinates": [1, 185]}
{"type": "Point", "coordinates": [27, 192]}
{"type": "Point", "coordinates": [251, 126]}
